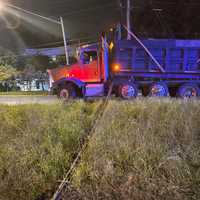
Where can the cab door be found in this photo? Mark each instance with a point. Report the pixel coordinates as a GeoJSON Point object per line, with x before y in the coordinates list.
{"type": "Point", "coordinates": [90, 66]}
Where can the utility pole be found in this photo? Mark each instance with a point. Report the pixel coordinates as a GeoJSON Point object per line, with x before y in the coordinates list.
{"type": "Point", "coordinates": [128, 18]}
{"type": "Point", "coordinates": [65, 41]}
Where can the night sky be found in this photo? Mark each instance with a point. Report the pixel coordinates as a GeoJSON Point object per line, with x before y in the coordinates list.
{"type": "Point", "coordinates": [83, 19]}
{"type": "Point", "coordinates": [88, 18]}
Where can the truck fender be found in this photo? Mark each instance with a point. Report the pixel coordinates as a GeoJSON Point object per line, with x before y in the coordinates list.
{"type": "Point", "coordinates": [75, 81]}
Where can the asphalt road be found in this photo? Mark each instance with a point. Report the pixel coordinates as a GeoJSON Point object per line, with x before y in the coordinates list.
{"type": "Point", "coordinates": [15, 100]}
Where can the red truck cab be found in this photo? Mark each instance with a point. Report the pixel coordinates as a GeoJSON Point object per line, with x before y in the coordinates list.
{"type": "Point", "coordinates": [84, 77]}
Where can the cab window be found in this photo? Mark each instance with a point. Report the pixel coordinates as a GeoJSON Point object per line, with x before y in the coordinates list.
{"type": "Point", "coordinates": [89, 56]}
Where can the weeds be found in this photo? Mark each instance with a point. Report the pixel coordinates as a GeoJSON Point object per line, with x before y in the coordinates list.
{"type": "Point", "coordinates": [37, 146]}
{"type": "Point", "coordinates": [146, 149]}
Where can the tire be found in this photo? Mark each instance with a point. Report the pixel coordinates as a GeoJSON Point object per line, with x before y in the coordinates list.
{"type": "Point", "coordinates": [159, 89]}
{"type": "Point", "coordinates": [128, 91]}
{"type": "Point", "coordinates": [188, 91]}
{"type": "Point", "coordinates": [173, 91]}
{"type": "Point", "coordinates": [68, 92]}
{"type": "Point", "coordinates": [145, 91]}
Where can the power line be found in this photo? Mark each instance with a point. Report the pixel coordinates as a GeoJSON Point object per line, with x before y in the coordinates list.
{"type": "Point", "coordinates": [75, 12]}
{"type": "Point", "coordinates": [33, 14]}
{"type": "Point", "coordinates": [89, 9]}
{"type": "Point", "coordinates": [175, 3]}
{"type": "Point", "coordinates": [69, 41]}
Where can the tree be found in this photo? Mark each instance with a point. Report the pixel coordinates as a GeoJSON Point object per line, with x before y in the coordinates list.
{"type": "Point", "coordinates": [7, 58]}
{"type": "Point", "coordinates": [39, 62]}
{"type": "Point", "coordinates": [7, 72]}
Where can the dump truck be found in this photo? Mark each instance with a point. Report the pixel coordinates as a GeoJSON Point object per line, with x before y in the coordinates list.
{"type": "Point", "coordinates": [151, 67]}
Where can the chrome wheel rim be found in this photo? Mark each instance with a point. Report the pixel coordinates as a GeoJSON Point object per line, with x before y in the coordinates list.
{"type": "Point", "coordinates": [158, 91]}
{"type": "Point", "coordinates": [128, 91]}
{"type": "Point", "coordinates": [64, 94]}
{"type": "Point", "coordinates": [190, 93]}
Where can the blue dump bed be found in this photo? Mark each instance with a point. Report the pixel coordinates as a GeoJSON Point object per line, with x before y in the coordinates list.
{"type": "Point", "coordinates": [175, 56]}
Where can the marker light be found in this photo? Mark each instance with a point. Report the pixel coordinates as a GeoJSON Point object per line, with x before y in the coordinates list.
{"type": "Point", "coordinates": [116, 67]}
{"type": "Point", "coordinates": [111, 46]}
{"type": "Point", "coordinates": [67, 75]}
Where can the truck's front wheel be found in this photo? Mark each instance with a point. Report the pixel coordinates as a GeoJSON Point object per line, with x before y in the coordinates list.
{"type": "Point", "coordinates": [128, 91]}
{"type": "Point", "coordinates": [67, 92]}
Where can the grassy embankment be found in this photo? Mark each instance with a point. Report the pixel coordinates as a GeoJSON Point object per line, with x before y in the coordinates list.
{"type": "Point", "coordinates": [147, 149]}
{"type": "Point", "coordinates": [37, 144]}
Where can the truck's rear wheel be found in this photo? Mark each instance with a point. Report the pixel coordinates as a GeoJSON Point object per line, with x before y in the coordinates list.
{"type": "Point", "coordinates": [67, 92]}
{"type": "Point", "coordinates": [159, 90]}
{"type": "Point", "coordinates": [188, 91]}
{"type": "Point", "coordinates": [128, 91]}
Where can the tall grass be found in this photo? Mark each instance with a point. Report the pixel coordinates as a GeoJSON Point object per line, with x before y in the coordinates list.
{"type": "Point", "coordinates": [146, 149]}
{"type": "Point", "coordinates": [37, 144]}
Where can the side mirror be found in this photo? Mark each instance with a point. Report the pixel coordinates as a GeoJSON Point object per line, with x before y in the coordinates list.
{"type": "Point", "coordinates": [81, 58]}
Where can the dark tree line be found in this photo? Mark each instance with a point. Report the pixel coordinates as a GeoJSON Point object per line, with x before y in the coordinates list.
{"type": "Point", "coordinates": [165, 19]}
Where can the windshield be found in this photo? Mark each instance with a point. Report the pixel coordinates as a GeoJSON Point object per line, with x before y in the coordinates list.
{"type": "Point", "coordinates": [89, 56]}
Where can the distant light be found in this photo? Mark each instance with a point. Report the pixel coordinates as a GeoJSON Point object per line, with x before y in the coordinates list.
{"type": "Point", "coordinates": [157, 9]}
{"type": "Point", "coordinates": [111, 29]}
{"type": "Point", "coordinates": [54, 58]}
{"type": "Point", "coordinates": [2, 6]}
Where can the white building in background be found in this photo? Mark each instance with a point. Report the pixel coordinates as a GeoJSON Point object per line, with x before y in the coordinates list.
{"type": "Point", "coordinates": [38, 84]}
{"type": "Point", "coordinates": [34, 85]}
